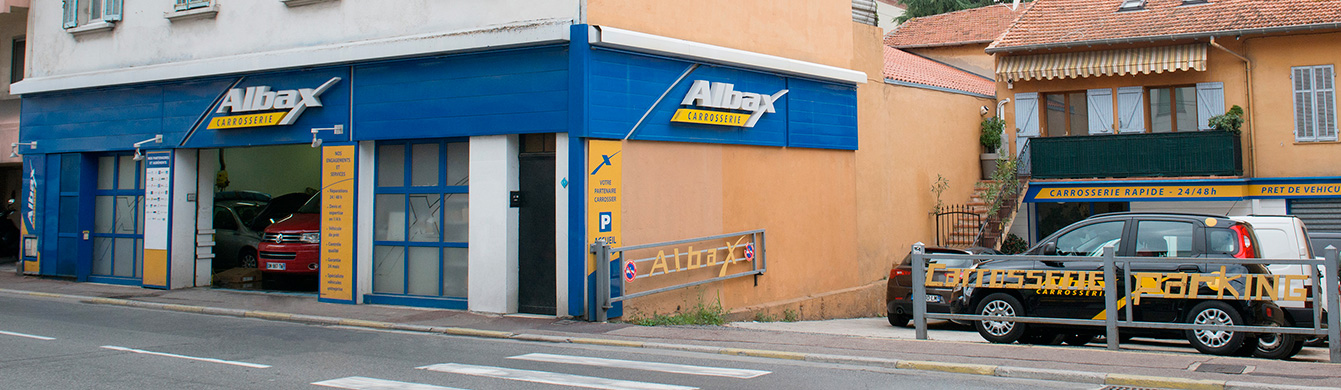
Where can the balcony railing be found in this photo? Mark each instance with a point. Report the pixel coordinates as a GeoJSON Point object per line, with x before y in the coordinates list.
{"type": "Point", "coordinates": [1203, 153]}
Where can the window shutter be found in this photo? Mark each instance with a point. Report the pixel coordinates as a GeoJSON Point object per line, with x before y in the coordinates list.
{"type": "Point", "coordinates": [1303, 103]}
{"type": "Point", "coordinates": [70, 18]}
{"type": "Point", "coordinates": [1100, 103]}
{"type": "Point", "coordinates": [1324, 99]}
{"type": "Point", "coordinates": [1131, 109]}
{"type": "Point", "coordinates": [1026, 118]}
{"type": "Point", "coordinates": [1210, 102]}
{"type": "Point", "coordinates": [111, 10]}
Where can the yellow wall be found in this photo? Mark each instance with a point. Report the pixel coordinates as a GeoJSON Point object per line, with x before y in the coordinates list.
{"type": "Point", "coordinates": [836, 220]}
{"type": "Point", "coordinates": [1277, 153]}
{"type": "Point", "coordinates": [972, 57]}
{"type": "Point", "coordinates": [1269, 149]}
{"type": "Point", "coordinates": [806, 30]}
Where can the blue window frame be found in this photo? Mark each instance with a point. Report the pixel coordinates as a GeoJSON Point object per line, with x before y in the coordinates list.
{"type": "Point", "coordinates": [420, 220]}
{"type": "Point", "coordinates": [118, 219]}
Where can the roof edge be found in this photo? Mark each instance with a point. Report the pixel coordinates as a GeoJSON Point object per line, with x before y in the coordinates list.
{"type": "Point", "coordinates": [1174, 37]}
{"type": "Point", "coordinates": [935, 88]}
{"type": "Point", "coordinates": [927, 45]}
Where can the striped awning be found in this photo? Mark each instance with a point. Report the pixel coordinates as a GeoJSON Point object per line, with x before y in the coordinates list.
{"type": "Point", "coordinates": [1118, 62]}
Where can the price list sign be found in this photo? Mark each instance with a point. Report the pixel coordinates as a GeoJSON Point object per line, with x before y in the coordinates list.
{"type": "Point", "coordinates": [337, 222]}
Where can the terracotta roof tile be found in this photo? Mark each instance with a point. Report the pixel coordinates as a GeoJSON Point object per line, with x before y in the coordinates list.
{"type": "Point", "coordinates": [979, 25]}
{"type": "Point", "coordinates": [911, 68]}
{"type": "Point", "coordinates": [1060, 23]}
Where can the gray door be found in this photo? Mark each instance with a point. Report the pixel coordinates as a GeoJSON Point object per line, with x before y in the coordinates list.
{"type": "Point", "coordinates": [536, 248]}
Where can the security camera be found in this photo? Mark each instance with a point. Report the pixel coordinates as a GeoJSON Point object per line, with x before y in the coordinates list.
{"type": "Point", "coordinates": [982, 110]}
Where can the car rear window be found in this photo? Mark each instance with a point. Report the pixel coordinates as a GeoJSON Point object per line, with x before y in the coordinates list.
{"type": "Point", "coordinates": [1221, 241]}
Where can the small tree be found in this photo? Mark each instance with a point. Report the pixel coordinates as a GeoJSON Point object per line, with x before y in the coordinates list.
{"type": "Point", "coordinates": [990, 136]}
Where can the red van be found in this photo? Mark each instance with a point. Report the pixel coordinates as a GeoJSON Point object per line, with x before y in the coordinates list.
{"type": "Point", "coordinates": [292, 245]}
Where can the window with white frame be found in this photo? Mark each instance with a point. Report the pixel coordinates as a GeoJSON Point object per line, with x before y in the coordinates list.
{"type": "Point", "coordinates": [85, 12]}
{"type": "Point", "coordinates": [182, 5]}
{"type": "Point", "coordinates": [1314, 103]}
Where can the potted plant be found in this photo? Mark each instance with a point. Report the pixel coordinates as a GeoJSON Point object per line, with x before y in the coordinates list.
{"type": "Point", "coordinates": [990, 137]}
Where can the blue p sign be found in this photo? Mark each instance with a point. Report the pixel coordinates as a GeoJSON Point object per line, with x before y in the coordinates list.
{"type": "Point", "coordinates": [606, 222]}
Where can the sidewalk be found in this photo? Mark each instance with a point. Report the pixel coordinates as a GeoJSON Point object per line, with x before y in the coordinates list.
{"type": "Point", "coordinates": [1144, 363]}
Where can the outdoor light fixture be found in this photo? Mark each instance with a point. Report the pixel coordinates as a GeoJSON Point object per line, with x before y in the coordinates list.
{"type": "Point", "coordinates": [316, 142]}
{"type": "Point", "coordinates": [158, 139]}
{"type": "Point", "coordinates": [14, 148]}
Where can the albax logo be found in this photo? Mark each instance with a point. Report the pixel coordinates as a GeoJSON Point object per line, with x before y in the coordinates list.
{"type": "Point", "coordinates": [261, 98]}
{"type": "Point", "coordinates": [725, 96]}
{"type": "Point", "coordinates": [32, 197]}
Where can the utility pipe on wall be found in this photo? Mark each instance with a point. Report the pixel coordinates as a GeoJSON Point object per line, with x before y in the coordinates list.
{"type": "Point", "coordinates": [1252, 118]}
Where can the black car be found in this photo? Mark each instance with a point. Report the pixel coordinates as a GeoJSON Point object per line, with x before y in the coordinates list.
{"type": "Point", "coordinates": [1174, 243]}
{"type": "Point", "coordinates": [899, 292]}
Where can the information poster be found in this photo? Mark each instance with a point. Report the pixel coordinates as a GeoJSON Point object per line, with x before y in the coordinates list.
{"type": "Point", "coordinates": [157, 207]}
{"type": "Point", "coordinates": [603, 195]}
{"type": "Point", "coordinates": [337, 222]}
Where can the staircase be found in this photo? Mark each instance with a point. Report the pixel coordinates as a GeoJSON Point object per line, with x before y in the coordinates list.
{"type": "Point", "coordinates": [983, 230]}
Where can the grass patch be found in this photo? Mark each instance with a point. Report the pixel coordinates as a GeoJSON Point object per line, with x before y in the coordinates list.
{"type": "Point", "coordinates": [759, 316]}
{"type": "Point", "coordinates": [790, 315]}
{"type": "Point", "coordinates": [700, 314]}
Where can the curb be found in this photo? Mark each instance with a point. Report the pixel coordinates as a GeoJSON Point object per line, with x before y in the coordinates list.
{"type": "Point", "coordinates": [1097, 378]}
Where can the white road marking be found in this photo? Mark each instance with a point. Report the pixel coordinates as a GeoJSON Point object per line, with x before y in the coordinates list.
{"type": "Point", "coordinates": [27, 335]}
{"type": "Point", "coordinates": [645, 366]}
{"type": "Point", "coordinates": [211, 360]}
{"type": "Point", "coordinates": [550, 377]}
{"type": "Point", "coordinates": [366, 383]}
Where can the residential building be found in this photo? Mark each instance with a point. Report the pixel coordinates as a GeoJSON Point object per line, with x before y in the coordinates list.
{"type": "Point", "coordinates": [957, 38]}
{"type": "Point", "coordinates": [467, 155]}
{"type": "Point", "coordinates": [1112, 101]}
{"type": "Point", "coordinates": [13, 48]}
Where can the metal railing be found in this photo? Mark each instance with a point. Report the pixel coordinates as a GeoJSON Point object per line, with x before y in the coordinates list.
{"type": "Point", "coordinates": [957, 220]}
{"type": "Point", "coordinates": [754, 252]}
{"type": "Point", "coordinates": [1111, 322]}
{"type": "Point", "coordinates": [1025, 166]}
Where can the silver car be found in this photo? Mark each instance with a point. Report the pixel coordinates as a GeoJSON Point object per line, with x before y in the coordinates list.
{"type": "Point", "coordinates": [234, 242]}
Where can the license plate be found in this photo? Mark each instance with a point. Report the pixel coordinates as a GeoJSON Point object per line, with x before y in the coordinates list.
{"type": "Point", "coordinates": [280, 266]}
{"type": "Point", "coordinates": [930, 298]}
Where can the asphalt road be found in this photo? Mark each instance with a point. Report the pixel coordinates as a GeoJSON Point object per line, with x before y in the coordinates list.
{"type": "Point", "coordinates": [53, 344]}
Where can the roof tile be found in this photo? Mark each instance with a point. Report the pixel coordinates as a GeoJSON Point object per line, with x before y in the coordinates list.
{"type": "Point", "coordinates": [1060, 23]}
{"type": "Point", "coordinates": [981, 24]}
{"type": "Point", "coordinates": [911, 68]}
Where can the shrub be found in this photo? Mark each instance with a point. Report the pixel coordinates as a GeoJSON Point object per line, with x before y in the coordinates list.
{"type": "Point", "coordinates": [1231, 121]}
{"type": "Point", "coordinates": [991, 133]}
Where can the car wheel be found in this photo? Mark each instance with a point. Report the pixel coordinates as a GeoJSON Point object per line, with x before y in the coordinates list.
{"type": "Point", "coordinates": [1079, 339]}
{"type": "Point", "coordinates": [1215, 342]}
{"type": "Point", "coordinates": [899, 319]}
{"type": "Point", "coordinates": [247, 258]}
{"type": "Point", "coordinates": [1002, 330]}
{"type": "Point", "coordinates": [1277, 346]}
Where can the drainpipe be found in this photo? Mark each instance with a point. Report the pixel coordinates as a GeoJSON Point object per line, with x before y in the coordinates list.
{"type": "Point", "coordinates": [999, 104]}
{"type": "Point", "coordinates": [1252, 118]}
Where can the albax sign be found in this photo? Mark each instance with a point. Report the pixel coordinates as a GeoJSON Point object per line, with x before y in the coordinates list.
{"type": "Point", "coordinates": [261, 98]}
{"type": "Point", "coordinates": [724, 96]}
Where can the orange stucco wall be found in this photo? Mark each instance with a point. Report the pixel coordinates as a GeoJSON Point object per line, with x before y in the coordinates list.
{"type": "Point", "coordinates": [971, 57]}
{"type": "Point", "coordinates": [1270, 149]}
{"type": "Point", "coordinates": [814, 31]}
{"type": "Point", "coordinates": [835, 220]}
{"type": "Point", "coordinates": [1277, 153]}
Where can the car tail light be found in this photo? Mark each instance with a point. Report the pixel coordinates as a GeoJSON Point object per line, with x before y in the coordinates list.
{"type": "Point", "coordinates": [899, 272]}
{"type": "Point", "coordinates": [1246, 249]}
{"type": "Point", "coordinates": [1269, 312]}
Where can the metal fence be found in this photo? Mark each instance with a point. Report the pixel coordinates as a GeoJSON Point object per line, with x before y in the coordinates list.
{"type": "Point", "coordinates": [754, 251]}
{"type": "Point", "coordinates": [1111, 323]}
{"type": "Point", "coordinates": [957, 225]}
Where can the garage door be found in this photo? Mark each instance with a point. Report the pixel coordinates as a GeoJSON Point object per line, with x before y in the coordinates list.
{"type": "Point", "coordinates": [1320, 215]}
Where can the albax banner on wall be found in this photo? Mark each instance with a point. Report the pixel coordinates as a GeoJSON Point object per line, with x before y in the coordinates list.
{"type": "Point", "coordinates": [261, 98]}
{"type": "Point", "coordinates": [723, 96]}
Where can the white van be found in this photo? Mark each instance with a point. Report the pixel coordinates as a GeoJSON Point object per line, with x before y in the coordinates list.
{"type": "Point", "coordinates": [1285, 237]}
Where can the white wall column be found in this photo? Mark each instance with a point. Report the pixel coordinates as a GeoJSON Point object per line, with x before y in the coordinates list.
{"type": "Point", "coordinates": [493, 224]}
{"type": "Point", "coordinates": [207, 166]}
{"type": "Point", "coordinates": [561, 224]}
{"type": "Point", "coordinates": [363, 257]}
{"type": "Point", "coordinates": [182, 243]}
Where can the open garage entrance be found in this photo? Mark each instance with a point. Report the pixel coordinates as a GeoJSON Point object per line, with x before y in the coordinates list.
{"type": "Point", "coordinates": [265, 233]}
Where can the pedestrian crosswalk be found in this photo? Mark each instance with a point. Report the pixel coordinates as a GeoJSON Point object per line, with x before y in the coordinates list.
{"type": "Point", "coordinates": [547, 377]}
